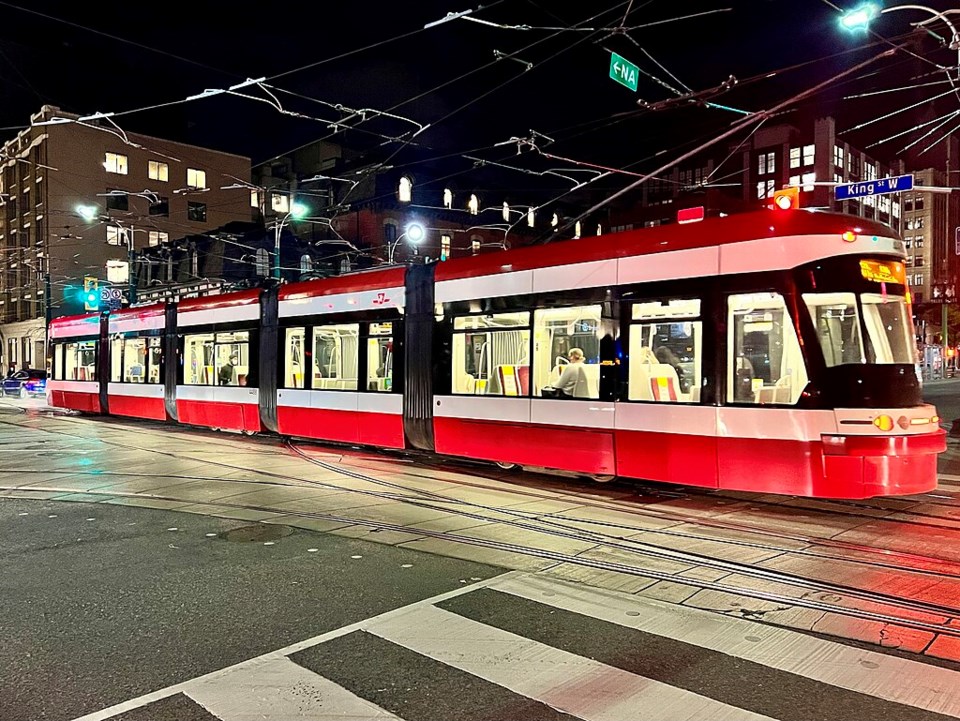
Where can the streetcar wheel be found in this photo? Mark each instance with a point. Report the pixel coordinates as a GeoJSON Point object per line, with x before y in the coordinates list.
{"type": "Point", "coordinates": [601, 477]}
{"type": "Point", "coordinates": [507, 466]}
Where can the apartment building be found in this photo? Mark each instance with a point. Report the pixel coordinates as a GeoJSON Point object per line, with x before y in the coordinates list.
{"type": "Point", "coordinates": [75, 196]}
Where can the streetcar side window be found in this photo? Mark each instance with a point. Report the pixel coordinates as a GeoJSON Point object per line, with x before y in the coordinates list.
{"type": "Point", "coordinates": [198, 360]}
{"type": "Point", "coordinates": [80, 360]}
{"type": "Point", "coordinates": [233, 358]}
{"type": "Point", "coordinates": [58, 361]}
{"type": "Point", "coordinates": [336, 356]}
{"type": "Point", "coordinates": [134, 360]}
{"type": "Point", "coordinates": [491, 354]}
{"type": "Point", "coordinates": [557, 332]}
{"type": "Point", "coordinates": [116, 359]}
{"type": "Point", "coordinates": [295, 358]}
{"type": "Point", "coordinates": [380, 357]}
{"type": "Point", "coordinates": [666, 351]}
{"type": "Point", "coordinates": [764, 361]}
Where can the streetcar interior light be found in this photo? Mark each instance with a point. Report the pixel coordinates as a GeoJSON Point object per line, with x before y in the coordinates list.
{"type": "Point", "coordinates": [849, 236]}
{"type": "Point", "coordinates": [884, 423]}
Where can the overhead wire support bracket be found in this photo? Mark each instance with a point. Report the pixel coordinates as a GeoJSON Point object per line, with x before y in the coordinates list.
{"type": "Point", "coordinates": [499, 55]}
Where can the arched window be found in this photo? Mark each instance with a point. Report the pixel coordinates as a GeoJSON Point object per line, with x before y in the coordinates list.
{"type": "Point", "coordinates": [306, 263]}
{"type": "Point", "coordinates": [473, 205]}
{"type": "Point", "coordinates": [447, 198]}
{"type": "Point", "coordinates": [405, 190]}
{"type": "Point", "coordinates": [263, 263]}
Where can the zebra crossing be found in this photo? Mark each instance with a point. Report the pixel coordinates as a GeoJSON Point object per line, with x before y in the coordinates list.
{"type": "Point", "coordinates": [524, 646]}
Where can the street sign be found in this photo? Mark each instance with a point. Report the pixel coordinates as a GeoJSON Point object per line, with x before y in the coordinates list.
{"type": "Point", "coordinates": [623, 71]}
{"type": "Point", "coordinates": [874, 187]}
{"type": "Point", "coordinates": [943, 294]}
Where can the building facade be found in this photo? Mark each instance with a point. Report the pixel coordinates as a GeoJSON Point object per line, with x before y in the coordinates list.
{"type": "Point", "coordinates": [74, 195]}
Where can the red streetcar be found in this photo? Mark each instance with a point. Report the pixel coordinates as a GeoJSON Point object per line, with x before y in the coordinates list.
{"type": "Point", "coordinates": [768, 352]}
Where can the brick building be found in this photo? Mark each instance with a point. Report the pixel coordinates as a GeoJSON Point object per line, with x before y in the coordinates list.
{"type": "Point", "coordinates": [144, 188]}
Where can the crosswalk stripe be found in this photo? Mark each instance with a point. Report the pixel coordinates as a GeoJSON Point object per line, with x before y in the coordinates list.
{"type": "Point", "coordinates": [147, 698]}
{"type": "Point", "coordinates": [579, 686]}
{"type": "Point", "coordinates": [876, 674]}
{"type": "Point", "coordinates": [279, 688]}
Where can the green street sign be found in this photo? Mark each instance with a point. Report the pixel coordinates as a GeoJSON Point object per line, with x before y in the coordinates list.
{"type": "Point", "coordinates": [623, 71]}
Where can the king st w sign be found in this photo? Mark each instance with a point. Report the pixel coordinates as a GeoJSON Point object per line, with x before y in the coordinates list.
{"type": "Point", "coordinates": [880, 186]}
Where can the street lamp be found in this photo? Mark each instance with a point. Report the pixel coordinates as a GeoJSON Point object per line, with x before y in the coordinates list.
{"type": "Point", "coordinates": [298, 211]}
{"type": "Point", "coordinates": [413, 232]}
{"type": "Point", "coordinates": [860, 18]}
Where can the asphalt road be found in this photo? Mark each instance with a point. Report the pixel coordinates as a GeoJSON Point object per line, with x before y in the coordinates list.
{"type": "Point", "coordinates": [99, 604]}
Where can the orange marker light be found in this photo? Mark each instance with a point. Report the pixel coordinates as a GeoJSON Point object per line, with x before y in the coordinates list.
{"type": "Point", "coordinates": [884, 423]}
{"type": "Point", "coordinates": [849, 236]}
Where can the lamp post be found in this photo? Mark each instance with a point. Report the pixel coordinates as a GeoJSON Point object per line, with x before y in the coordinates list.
{"type": "Point", "coordinates": [297, 212]}
{"type": "Point", "coordinates": [413, 232]}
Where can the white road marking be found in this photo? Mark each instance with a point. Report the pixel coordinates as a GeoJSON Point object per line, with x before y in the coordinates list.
{"type": "Point", "coordinates": [278, 688]}
{"type": "Point", "coordinates": [573, 684]}
{"type": "Point", "coordinates": [281, 653]}
{"type": "Point", "coordinates": [880, 675]}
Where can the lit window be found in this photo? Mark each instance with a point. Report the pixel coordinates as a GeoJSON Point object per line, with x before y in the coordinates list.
{"type": "Point", "coordinates": [444, 247]}
{"type": "Point", "coordinates": [405, 190]}
{"type": "Point", "coordinates": [499, 370]}
{"type": "Point", "coordinates": [795, 181]}
{"type": "Point", "coordinates": [447, 198]}
{"type": "Point", "coordinates": [157, 170]}
{"type": "Point", "coordinates": [765, 188]}
{"type": "Point", "coordinates": [306, 263]}
{"type": "Point", "coordinates": [254, 199]}
{"type": "Point", "coordinates": [794, 158]}
{"type": "Point", "coordinates": [116, 163]}
{"type": "Point", "coordinates": [665, 351]}
{"type": "Point", "coordinates": [838, 156]}
{"type": "Point", "coordinates": [558, 333]}
{"type": "Point", "coordinates": [263, 263]}
{"type": "Point", "coordinates": [837, 178]}
{"type": "Point", "coordinates": [196, 178]}
{"type": "Point", "coordinates": [808, 179]}
{"type": "Point", "coordinates": [765, 364]}
{"type": "Point", "coordinates": [380, 357]}
{"type": "Point", "coordinates": [766, 163]}
{"type": "Point", "coordinates": [473, 205]}
{"type": "Point", "coordinates": [114, 235]}
{"type": "Point", "coordinates": [295, 358]}
{"type": "Point", "coordinates": [118, 271]}
{"type": "Point", "coordinates": [918, 279]}
{"type": "Point", "coordinates": [808, 154]}
{"type": "Point", "coordinates": [280, 203]}
{"type": "Point", "coordinates": [336, 357]}
{"type": "Point", "coordinates": [475, 245]}
{"type": "Point", "coordinates": [156, 237]}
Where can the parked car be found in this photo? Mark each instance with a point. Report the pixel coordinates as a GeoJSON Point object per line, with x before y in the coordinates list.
{"type": "Point", "coordinates": [26, 383]}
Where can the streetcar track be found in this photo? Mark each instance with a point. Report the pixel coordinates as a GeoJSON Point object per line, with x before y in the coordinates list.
{"type": "Point", "coordinates": [592, 538]}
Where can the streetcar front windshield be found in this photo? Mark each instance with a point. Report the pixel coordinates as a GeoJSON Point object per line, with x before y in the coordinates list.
{"type": "Point", "coordinates": [862, 328]}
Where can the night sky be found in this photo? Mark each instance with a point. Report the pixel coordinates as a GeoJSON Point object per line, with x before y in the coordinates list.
{"type": "Point", "coordinates": [566, 95]}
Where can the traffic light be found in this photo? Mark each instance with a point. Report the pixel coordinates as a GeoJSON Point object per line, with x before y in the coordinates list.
{"type": "Point", "coordinates": [786, 199]}
{"type": "Point", "coordinates": [91, 293]}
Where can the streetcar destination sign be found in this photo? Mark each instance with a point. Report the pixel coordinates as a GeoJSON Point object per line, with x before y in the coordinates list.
{"type": "Point", "coordinates": [874, 187]}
